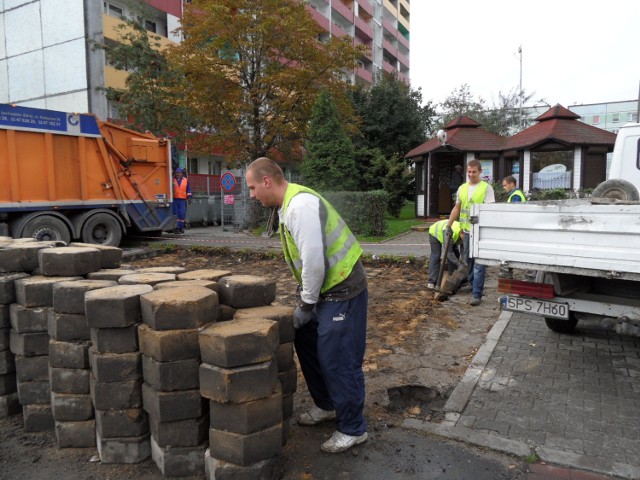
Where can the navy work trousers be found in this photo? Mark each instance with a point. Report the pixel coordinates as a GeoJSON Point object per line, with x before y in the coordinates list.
{"type": "Point", "coordinates": [331, 351]}
{"type": "Point", "coordinates": [180, 211]}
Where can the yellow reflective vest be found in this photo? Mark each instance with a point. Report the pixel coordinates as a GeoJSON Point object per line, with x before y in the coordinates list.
{"type": "Point", "coordinates": [466, 202]}
{"type": "Point", "coordinates": [437, 230]}
{"type": "Point", "coordinates": [517, 193]}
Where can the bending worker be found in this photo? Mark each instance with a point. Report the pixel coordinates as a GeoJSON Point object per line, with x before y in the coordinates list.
{"type": "Point", "coordinates": [181, 195]}
{"type": "Point", "coordinates": [437, 233]}
{"type": "Point", "coordinates": [331, 315]}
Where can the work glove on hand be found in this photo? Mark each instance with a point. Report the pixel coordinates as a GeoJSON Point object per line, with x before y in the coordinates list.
{"type": "Point", "coordinates": [449, 232]}
{"type": "Point", "coordinates": [303, 314]}
{"type": "Point", "coordinates": [189, 201]}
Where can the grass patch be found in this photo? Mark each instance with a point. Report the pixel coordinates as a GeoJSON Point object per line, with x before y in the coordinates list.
{"type": "Point", "coordinates": [532, 458]}
{"type": "Point", "coordinates": [395, 226]}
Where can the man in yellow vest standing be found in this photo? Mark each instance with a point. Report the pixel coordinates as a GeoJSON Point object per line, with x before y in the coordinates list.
{"type": "Point", "coordinates": [515, 194]}
{"type": "Point", "coordinates": [331, 315]}
{"type": "Point", "coordinates": [473, 192]}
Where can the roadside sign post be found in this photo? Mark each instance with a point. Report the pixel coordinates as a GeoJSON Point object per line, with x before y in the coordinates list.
{"type": "Point", "coordinates": [227, 185]}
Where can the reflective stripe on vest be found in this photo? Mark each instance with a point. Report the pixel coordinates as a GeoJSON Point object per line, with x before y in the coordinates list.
{"type": "Point", "coordinates": [180, 190]}
{"type": "Point", "coordinates": [437, 230]}
{"type": "Point", "coordinates": [517, 193]}
{"type": "Point", "coordinates": [341, 249]}
{"type": "Point", "coordinates": [466, 202]}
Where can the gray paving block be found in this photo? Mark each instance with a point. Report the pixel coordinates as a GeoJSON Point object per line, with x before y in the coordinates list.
{"type": "Point", "coordinates": [216, 469]}
{"type": "Point", "coordinates": [239, 384]}
{"type": "Point", "coordinates": [239, 342]}
{"type": "Point", "coordinates": [110, 274]}
{"type": "Point", "coordinates": [69, 380]}
{"type": "Point", "coordinates": [182, 433]}
{"type": "Point", "coordinates": [245, 450]}
{"type": "Point", "coordinates": [37, 418]}
{"type": "Point", "coordinates": [225, 313]}
{"type": "Point", "coordinates": [289, 380]}
{"type": "Point", "coordinates": [204, 274]}
{"type": "Point", "coordinates": [115, 367]}
{"type": "Point", "coordinates": [69, 261]}
{"type": "Point", "coordinates": [116, 395]}
{"type": "Point", "coordinates": [167, 269]}
{"type": "Point", "coordinates": [278, 313]}
{"type": "Point", "coordinates": [173, 406]}
{"type": "Point", "coordinates": [245, 291]}
{"type": "Point", "coordinates": [68, 327]}
{"type": "Point", "coordinates": [80, 434]}
{"type": "Point", "coordinates": [210, 284]}
{"type": "Point", "coordinates": [28, 319]}
{"type": "Point", "coordinates": [8, 384]}
{"type": "Point", "coordinates": [9, 405]}
{"type": "Point", "coordinates": [8, 288]}
{"type": "Point", "coordinates": [178, 461]}
{"type": "Point", "coordinates": [180, 307]}
{"type": "Point", "coordinates": [169, 345]}
{"type": "Point", "coordinates": [247, 417]}
{"type": "Point", "coordinates": [71, 407]}
{"type": "Point", "coordinates": [122, 423]}
{"type": "Point", "coordinates": [69, 354]}
{"type": "Point", "coordinates": [124, 450]}
{"type": "Point", "coordinates": [284, 357]}
{"type": "Point", "coordinates": [171, 376]}
{"type": "Point", "coordinates": [30, 369]}
{"type": "Point", "coordinates": [146, 278]}
{"type": "Point", "coordinates": [114, 307]}
{"type": "Point", "coordinates": [29, 344]}
{"type": "Point", "coordinates": [68, 297]}
{"type": "Point", "coordinates": [5, 317]}
{"type": "Point", "coordinates": [115, 340]}
{"type": "Point", "coordinates": [110, 257]}
{"type": "Point", "coordinates": [37, 290]}
{"type": "Point", "coordinates": [34, 393]}
{"type": "Point", "coordinates": [22, 256]}
{"type": "Point", "coordinates": [5, 338]}
{"type": "Point", "coordinates": [7, 362]}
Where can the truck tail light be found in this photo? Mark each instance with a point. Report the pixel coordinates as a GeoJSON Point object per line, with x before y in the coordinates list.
{"type": "Point", "coordinates": [527, 289]}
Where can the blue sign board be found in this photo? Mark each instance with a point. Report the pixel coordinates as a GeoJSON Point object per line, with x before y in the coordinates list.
{"type": "Point", "coordinates": [228, 181]}
{"type": "Point", "coordinates": [52, 121]}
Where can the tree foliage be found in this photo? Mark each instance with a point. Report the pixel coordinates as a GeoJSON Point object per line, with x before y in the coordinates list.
{"type": "Point", "coordinates": [329, 163]}
{"type": "Point", "coordinates": [254, 69]}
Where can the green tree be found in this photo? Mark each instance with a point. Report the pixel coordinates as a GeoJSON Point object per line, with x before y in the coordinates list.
{"type": "Point", "coordinates": [329, 163]}
{"type": "Point", "coordinates": [254, 69]}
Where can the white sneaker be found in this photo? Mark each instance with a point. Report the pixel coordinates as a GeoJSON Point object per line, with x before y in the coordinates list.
{"type": "Point", "coordinates": [340, 442]}
{"type": "Point", "coordinates": [315, 416]}
{"type": "Point", "coordinates": [430, 286]}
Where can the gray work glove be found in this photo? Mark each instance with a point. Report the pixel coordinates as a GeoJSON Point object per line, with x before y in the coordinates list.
{"type": "Point", "coordinates": [449, 232]}
{"type": "Point", "coordinates": [303, 314]}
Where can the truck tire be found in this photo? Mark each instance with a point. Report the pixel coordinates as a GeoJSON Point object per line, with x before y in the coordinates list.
{"type": "Point", "coordinates": [46, 227]}
{"type": "Point", "coordinates": [562, 326]}
{"type": "Point", "coordinates": [616, 188]}
{"type": "Point", "coordinates": [101, 229]}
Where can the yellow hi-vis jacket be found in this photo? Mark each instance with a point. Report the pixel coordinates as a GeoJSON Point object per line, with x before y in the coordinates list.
{"type": "Point", "coordinates": [517, 193]}
{"type": "Point", "coordinates": [466, 202]}
{"type": "Point", "coordinates": [437, 230]}
{"type": "Point", "coordinates": [341, 249]}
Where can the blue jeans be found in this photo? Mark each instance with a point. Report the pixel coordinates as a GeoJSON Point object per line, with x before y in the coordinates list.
{"type": "Point", "coordinates": [477, 273]}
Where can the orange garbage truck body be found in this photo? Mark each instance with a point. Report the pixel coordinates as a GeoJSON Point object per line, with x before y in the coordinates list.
{"type": "Point", "coordinates": [68, 176]}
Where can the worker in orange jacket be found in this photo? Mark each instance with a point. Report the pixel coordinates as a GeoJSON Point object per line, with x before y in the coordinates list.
{"type": "Point", "coordinates": [181, 196]}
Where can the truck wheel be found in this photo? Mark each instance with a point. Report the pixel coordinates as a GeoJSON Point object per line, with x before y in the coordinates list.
{"type": "Point", "coordinates": [616, 188]}
{"type": "Point", "coordinates": [562, 326]}
{"type": "Point", "coordinates": [101, 229]}
{"type": "Point", "coordinates": [46, 228]}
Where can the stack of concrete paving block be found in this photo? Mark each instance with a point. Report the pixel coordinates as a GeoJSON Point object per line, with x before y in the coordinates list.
{"type": "Point", "coordinates": [69, 368]}
{"type": "Point", "coordinates": [173, 318]}
{"type": "Point", "coordinates": [146, 278]}
{"type": "Point", "coordinates": [110, 257]}
{"type": "Point", "coordinates": [110, 274]}
{"type": "Point", "coordinates": [225, 312]}
{"type": "Point", "coordinates": [122, 429]}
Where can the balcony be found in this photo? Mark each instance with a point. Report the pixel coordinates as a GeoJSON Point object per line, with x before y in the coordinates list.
{"type": "Point", "coordinates": [115, 78]}
{"type": "Point", "coordinates": [403, 40]}
{"type": "Point", "coordinates": [387, 67]}
{"type": "Point", "coordinates": [364, 31]}
{"type": "Point", "coordinates": [337, 31]}
{"type": "Point", "coordinates": [319, 18]}
{"type": "Point", "coordinates": [403, 59]}
{"type": "Point", "coordinates": [389, 47]}
{"type": "Point", "coordinates": [366, 6]}
{"type": "Point", "coordinates": [342, 9]}
{"type": "Point", "coordinates": [390, 26]}
{"type": "Point", "coordinates": [110, 25]}
{"type": "Point", "coordinates": [365, 75]}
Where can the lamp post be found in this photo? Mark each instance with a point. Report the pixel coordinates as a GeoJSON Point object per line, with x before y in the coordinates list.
{"type": "Point", "coordinates": [520, 92]}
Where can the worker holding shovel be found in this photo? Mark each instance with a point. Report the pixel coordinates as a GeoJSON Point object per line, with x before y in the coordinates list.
{"type": "Point", "coordinates": [438, 239]}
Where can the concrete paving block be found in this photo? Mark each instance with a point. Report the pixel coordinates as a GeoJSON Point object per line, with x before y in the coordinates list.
{"type": "Point", "coordinates": [210, 284]}
{"type": "Point", "coordinates": [179, 308]}
{"type": "Point", "coordinates": [246, 449]}
{"type": "Point", "coordinates": [69, 261]}
{"type": "Point", "coordinates": [68, 297]}
{"type": "Point", "coordinates": [110, 257]}
{"type": "Point", "coordinates": [146, 278]}
{"type": "Point", "coordinates": [168, 269]}
{"type": "Point", "coordinates": [289, 380]}
{"type": "Point", "coordinates": [7, 362]}
{"type": "Point", "coordinates": [80, 434]}
{"type": "Point", "coordinates": [115, 340]}
{"type": "Point", "coordinates": [246, 291]}
{"type": "Point", "coordinates": [28, 319]}
{"type": "Point", "coordinates": [173, 406]}
{"type": "Point", "coordinates": [37, 290]}
{"type": "Point", "coordinates": [122, 423]}
{"type": "Point", "coordinates": [71, 407]}
{"type": "Point", "coordinates": [269, 469]}
{"type": "Point", "coordinates": [114, 307]}
{"type": "Point", "coordinates": [182, 433]}
{"type": "Point", "coordinates": [116, 395]}
{"type": "Point", "coordinates": [8, 288]}
{"type": "Point", "coordinates": [284, 357]}
{"type": "Point", "coordinates": [110, 274]}
{"type": "Point", "coordinates": [278, 313]}
{"type": "Point", "coordinates": [9, 405]}
{"type": "Point", "coordinates": [5, 338]}
{"type": "Point", "coordinates": [37, 418]}
{"type": "Point", "coordinates": [124, 450]}
{"type": "Point", "coordinates": [29, 344]}
{"type": "Point", "coordinates": [69, 380]}
{"type": "Point", "coordinates": [239, 342]}
{"type": "Point", "coordinates": [225, 313]}
{"type": "Point", "coordinates": [10, 260]}
{"type": "Point", "coordinates": [287, 406]}
{"type": "Point", "coordinates": [5, 317]}
{"type": "Point", "coordinates": [239, 384]}
{"type": "Point", "coordinates": [68, 327]}
{"type": "Point", "coordinates": [29, 369]}
{"type": "Point", "coordinates": [169, 345]}
{"type": "Point", "coordinates": [34, 393]}
{"type": "Point", "coordinates": [69, 354]}
{"type": "Point", "coordinates": [178, 461]}
{"type": "Point", "coordinates": [8, 384]}
{"type": "Point", "coordinates": [132, 422]}
{"type": "Point", "coordinates": [22, 256]}
{"type": "Point", "coordinates": [115, 367]}
{"type": "Point", "coordinates": [247, 417]}
{"type": "Point", "coordinates": [171, 376]}
{"type": "Point", "coordinates": [204, 274]}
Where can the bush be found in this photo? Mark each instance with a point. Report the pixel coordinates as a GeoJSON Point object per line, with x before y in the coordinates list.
{"type": "Point", "coordinates": [364, 212]}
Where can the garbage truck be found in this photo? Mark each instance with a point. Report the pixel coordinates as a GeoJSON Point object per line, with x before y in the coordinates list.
{"type": "Point", "coordinates": [585, 253]}
{"type": "Point", "coordinates": [69, 176]}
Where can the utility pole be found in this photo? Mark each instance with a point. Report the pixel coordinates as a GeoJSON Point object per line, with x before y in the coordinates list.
{"type": "Point", "coordinates": [520, 92]}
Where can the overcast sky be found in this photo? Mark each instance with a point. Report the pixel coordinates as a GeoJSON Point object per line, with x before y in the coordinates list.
{"type": "Point", "coordinates": [573, 51]}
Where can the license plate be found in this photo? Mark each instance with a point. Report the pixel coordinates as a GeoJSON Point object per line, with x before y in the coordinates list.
{"type": "Point", "coordinates": [536, 307]}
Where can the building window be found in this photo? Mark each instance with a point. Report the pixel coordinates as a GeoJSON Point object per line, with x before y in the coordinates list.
{"type": "Point", "coordinates": [615, 118]}
{"type": "Point", "coordinates": [633, 117]}
{"type": "Point", "coordinates": [596, 119]}
{"type": "Point", "coordinates": [551, 169]}
{"type": "Point", "coordinates": [113, 10]}
{"type": "Point", "coordinates": [150, 26]}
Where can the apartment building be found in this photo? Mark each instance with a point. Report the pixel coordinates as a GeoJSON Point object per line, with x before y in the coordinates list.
{"type": "Point", "coordinates": [609, 116]}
